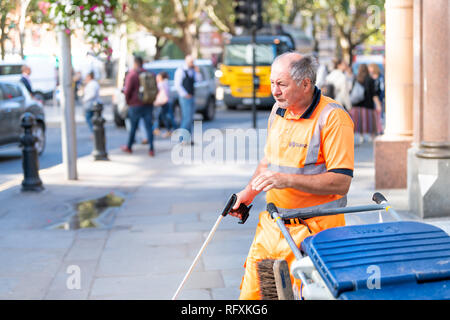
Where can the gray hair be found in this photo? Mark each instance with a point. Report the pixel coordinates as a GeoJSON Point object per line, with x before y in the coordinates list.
{"type": "Point", "coordinates": [305, 68]}
{"type": "Point", "coordinates": [301, 69]}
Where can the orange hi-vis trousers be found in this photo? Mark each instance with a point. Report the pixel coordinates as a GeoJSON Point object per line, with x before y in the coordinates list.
{"type": "Point", "coordinates": [269, 243]}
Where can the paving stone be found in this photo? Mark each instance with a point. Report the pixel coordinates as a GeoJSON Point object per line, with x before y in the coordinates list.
{"type": "Point", "coordinates": [223, 262]}
{"type": "Point", "coordinates": [225, 293]}
{"type": "Point", "coordinates": [86, 249]}
{"type": "Point", "coordinates": [91, 233]}
{"type": "Point", "coordinates": [157, 286]}
{"type": "Point", "coordinates": [127, 238]}
{"type": "Point", "coordinates": [37, 239]}
{"type": "Point", "coordinates": [144, 261]}
{"type": "Point", "coordinates": [25, 287]}
{"type": "Point", "coordinates": [18, 262]}
{"type": "Point", "coordinates": [232, 278]}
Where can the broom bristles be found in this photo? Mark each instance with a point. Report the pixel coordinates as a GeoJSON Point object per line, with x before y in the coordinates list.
{"type": "Point", "coordinates": [267, 284]}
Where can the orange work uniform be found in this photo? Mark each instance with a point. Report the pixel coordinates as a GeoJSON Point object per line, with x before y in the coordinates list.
{"type": "Point", "coordinates": [318, 141]}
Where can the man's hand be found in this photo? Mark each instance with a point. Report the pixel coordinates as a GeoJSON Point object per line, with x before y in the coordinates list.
{"type": "Point", "coordinates": [246, 197]}
{"type": "Point", "coordinates": [268, 180]}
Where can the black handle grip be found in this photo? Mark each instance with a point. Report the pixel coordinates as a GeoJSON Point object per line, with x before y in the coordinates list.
{"type": "Point", "coordinates": [243, 210]}
{"type": "Point", "coordinates": [378, 198]}
{"type": "Point", "coordinates": [229, 205]}
{"type": "Point", "coordinates": [271, 208]}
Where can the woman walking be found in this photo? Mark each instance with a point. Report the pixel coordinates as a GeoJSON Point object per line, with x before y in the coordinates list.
{"type": "Point", "coordinates": [365, 103]}
{"type": "Point", "coordinates": [163, 104]}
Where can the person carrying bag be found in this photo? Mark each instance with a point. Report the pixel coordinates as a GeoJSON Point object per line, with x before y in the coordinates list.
{"type": "Point", "coordinates": [161, 100]}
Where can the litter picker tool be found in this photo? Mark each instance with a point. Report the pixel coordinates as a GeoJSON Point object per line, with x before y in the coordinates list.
{"type": "Point", "coordinates": [243, 210]}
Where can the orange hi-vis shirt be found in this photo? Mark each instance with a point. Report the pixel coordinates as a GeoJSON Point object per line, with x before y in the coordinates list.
{"type": "Point", "coordinates": [320, 140]}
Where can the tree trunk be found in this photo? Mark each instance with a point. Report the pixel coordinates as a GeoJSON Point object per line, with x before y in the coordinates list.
{"type": "Point", "coordinates": [160, 43]}
{"type": "Point", "coordinates": [186, 43]}
{"type": "Point", "coordinates": [3, 36]}
{"type": "Point", "coordinates": [314, 34]}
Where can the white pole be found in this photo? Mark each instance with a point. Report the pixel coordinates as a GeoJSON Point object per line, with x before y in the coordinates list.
{"type": "Point", "coordinates": [68, 126]}
{"type": "Point", "coordinates": [208, 239]}
{"type": "Point", "coordinates": [122, 65]}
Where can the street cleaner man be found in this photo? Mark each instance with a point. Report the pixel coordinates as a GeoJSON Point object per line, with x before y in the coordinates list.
{"type": "Point", "coordinates": [308, 164]}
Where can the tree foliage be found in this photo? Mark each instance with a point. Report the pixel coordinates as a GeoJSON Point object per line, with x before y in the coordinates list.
{"type": "Point", "coordinates": [6, 6]}
{"type": "Point", "coordinates": [356, 21]}
{"type": "Point", "coordinates": [353, 22]}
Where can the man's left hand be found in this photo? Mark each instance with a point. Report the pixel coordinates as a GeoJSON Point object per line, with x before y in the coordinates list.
{"type": "Point", "coordinates": [269, 180]}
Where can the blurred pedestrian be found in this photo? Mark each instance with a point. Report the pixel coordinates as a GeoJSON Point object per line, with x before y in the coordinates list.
{"type": "Point", "coordinates": [365, 102]}
{"type": "Point", "coordinates": [91, 95]}
{"type": "Point", "coordinates": [185, 78]}
{"type": "Point", "coordinates": [375, 73]}
{"type": "Point", "coordinates": [341, 87]}
{"type": "Point", "coordinates": [137, 108]}
{"type": "Point", "coordinates": [78, 81]}
{"type": "Point", "coordinates": [25, 78]}
{"type": "Point", "coordinates": [163, 100]}
{"type": "Point", "coordinates": [322, 73]}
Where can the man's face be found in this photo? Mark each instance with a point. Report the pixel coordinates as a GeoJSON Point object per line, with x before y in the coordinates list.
{"type": "Point", "coordinates": [284, 89]}
{"type": "Point", "coordinates": [189, 61]}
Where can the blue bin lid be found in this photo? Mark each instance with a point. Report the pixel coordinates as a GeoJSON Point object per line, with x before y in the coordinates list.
{"type": "Point", "coordinates": [410, 259]}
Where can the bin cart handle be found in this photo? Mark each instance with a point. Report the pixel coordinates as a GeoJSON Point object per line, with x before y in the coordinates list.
{"type": "Point", "coordinates": [333, 211]}
{"type": "Point", "coordinates": [377, 197]}
{"type": "Point", "coordinates": [380, 199]}
{"type": "Point", "coordinates": [273, 211]}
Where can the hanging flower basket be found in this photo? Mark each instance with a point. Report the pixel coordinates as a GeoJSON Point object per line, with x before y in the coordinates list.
{"type": "Point", "coordinates": [95, 17]}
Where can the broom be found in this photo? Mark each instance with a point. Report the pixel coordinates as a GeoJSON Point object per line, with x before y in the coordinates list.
{"type": "Point", "coordinates": [274, 280]}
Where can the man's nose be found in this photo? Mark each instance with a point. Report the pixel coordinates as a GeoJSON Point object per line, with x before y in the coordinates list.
{"type": "Point", "coordinates": [276, 91]}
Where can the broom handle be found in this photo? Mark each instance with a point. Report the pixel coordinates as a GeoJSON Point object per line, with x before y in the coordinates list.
{"type": "Point", "coordinates": [208, 239]}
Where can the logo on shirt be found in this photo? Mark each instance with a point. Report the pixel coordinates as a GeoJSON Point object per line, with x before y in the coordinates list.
{"type": "Point", "coordinates": [297, 145]}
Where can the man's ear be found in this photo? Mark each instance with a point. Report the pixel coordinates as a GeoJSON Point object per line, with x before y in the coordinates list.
{"type": "Point", "coordinates": [307, 84]}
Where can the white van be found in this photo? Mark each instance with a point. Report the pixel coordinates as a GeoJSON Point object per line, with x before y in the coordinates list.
{"type": "Point", "coordinates": [43, 74]}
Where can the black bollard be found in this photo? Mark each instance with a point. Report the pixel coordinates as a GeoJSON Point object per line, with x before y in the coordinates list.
{"type": "Point", "coordinates": [99, 152]}
{"type": "Point", "coordinates": [30, 158]}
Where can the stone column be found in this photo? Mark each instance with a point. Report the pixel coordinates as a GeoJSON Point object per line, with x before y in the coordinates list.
{"type": "Point", "coordinates": [390, 149]}
{"type": "Point", "coordinates": [429, 158]}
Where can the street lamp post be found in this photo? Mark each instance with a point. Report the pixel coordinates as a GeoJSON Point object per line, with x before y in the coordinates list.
{"type": "Point", "coordinates": [68, 127]}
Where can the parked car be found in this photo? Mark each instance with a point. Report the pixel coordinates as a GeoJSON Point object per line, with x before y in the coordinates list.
{"type": "Point", "coordinates": [43, 74]}
{"type": "Point", "coordinates": [14, 102]}
{"type": "Point", "coordinates": [205, 90]}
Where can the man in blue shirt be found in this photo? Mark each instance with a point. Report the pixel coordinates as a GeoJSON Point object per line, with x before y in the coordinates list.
{"type": "Point", "coordinates": [185, 78]}
{"type": "Point", "coordinates": [25, 79]}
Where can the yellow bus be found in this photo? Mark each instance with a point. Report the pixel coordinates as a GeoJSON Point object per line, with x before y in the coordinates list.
{"type": "Point", "coordinates": [236, 70]}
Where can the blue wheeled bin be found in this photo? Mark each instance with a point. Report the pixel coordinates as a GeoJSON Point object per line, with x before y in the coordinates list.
{"type": "Point", "coordinates": [401, 260]}
{"type": "Point", "coordinates": [394, 260]}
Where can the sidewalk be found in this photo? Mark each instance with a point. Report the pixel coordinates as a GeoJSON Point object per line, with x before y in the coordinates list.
{"type": "Point", "coordinates": [167, 213]}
